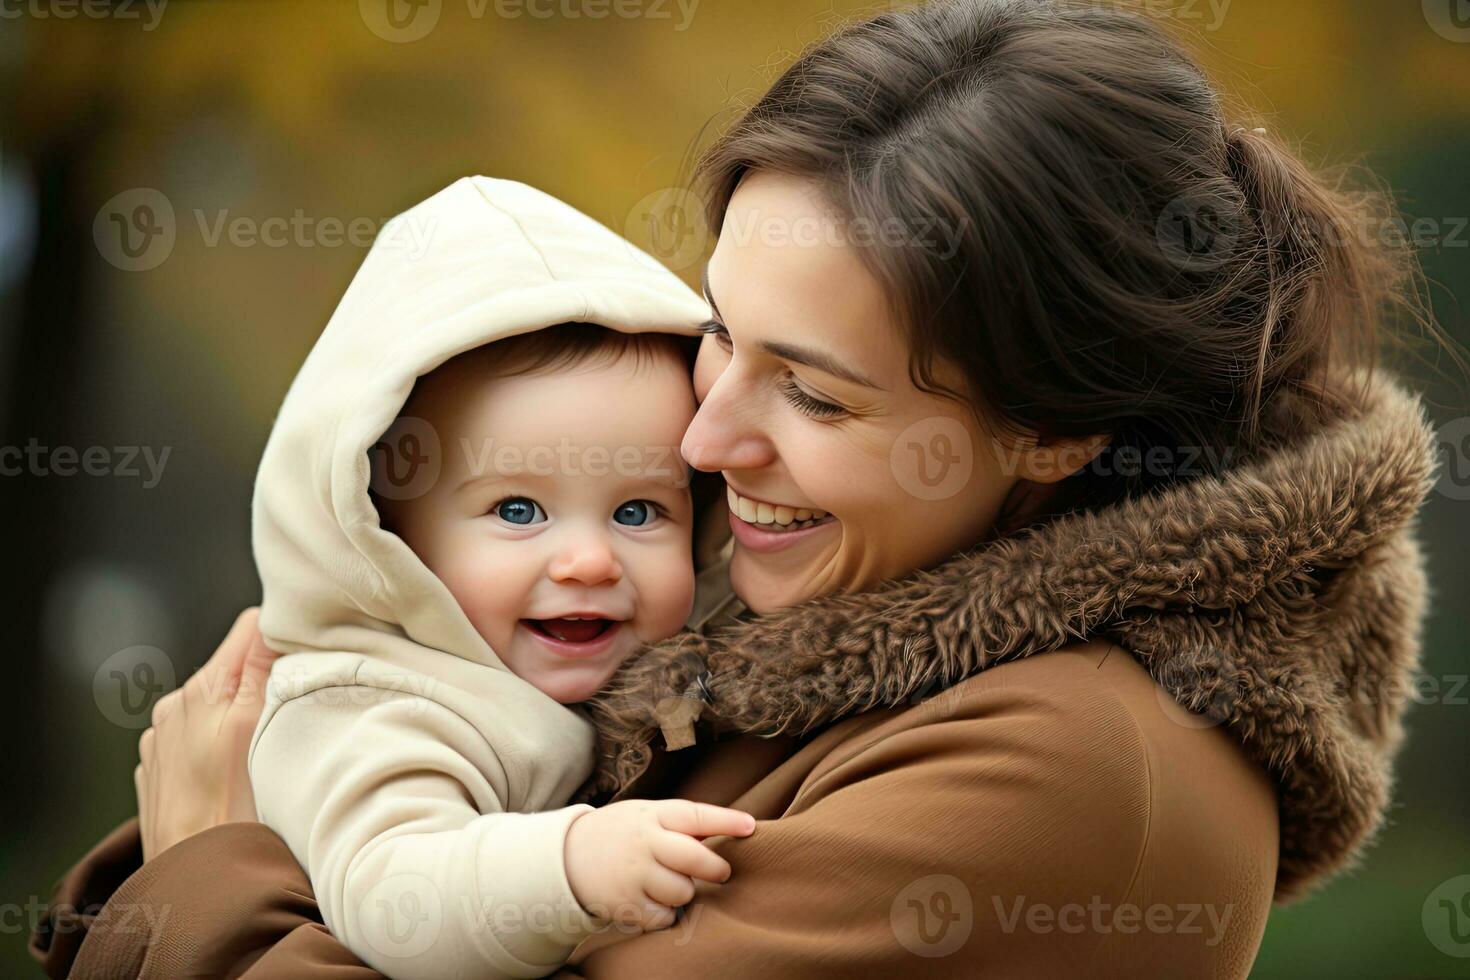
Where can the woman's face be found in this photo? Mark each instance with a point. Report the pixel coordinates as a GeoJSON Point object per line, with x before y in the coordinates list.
{"type": "Point", "coordinates": [806, 405]}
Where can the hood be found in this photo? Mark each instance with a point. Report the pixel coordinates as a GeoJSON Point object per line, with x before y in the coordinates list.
{"type": "Point", "coordinates": [481, 260]}
{"type": "Point", "coordinates": [1283, 598]}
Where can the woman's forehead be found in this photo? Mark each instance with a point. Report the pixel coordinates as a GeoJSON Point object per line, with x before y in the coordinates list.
{"type": "Point", "coordinates": [783, 269]}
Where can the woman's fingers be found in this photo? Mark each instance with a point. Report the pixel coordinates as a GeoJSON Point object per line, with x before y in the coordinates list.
{"type": "Point", "coordinates": [256, 667]}
{"type": "Point", "coordinates": [145, 811]}
{"type": "Point", "coordinates": [686, 856]}
{"type": "Point", "coordinates": [221, 675]}
{"type": "Point", "coordinates": [164, 705]}
{"type": "Point", "coordinates": [704, 819]}
{"type": "Point", "coordinates": [193, 774]}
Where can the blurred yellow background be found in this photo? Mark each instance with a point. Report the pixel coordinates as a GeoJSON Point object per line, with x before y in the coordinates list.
{"type": "Point", "coordinates": [304, 117]}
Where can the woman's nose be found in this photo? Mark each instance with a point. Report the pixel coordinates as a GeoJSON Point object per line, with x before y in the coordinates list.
{"type": "Point", "coordinates": [725, 434]}
{"type": "Point", "coordinates": [587, 560]}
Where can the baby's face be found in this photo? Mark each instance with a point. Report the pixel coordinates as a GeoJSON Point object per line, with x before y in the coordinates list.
{"type": "Point", "coordinates": [561, 495]}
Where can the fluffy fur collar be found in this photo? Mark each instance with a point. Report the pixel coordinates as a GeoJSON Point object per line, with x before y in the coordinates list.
{"type": "Point", "coordinates": [1284, 598]}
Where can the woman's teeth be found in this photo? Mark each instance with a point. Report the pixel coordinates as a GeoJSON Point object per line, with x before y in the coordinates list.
{"type": "Point", "coordinates": [773, 516]}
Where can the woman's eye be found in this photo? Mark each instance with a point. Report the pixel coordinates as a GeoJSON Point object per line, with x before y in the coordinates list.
{"type": "Point", "coordinates": [519, 510]}
{"type": "Point", "coordinates": [716, 330]}
{"type": "Point", "coordinates": [807, 405]}
{"type": "Point", "coordinates": [636, 513]}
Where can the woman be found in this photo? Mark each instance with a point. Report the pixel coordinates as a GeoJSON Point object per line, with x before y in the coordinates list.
{"type": "Point", "coordinates": [1080, 373]}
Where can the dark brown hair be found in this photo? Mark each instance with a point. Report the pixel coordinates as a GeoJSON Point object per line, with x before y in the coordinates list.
{"type": "Point", "coordinates": [1126, 259]}
{"type": "Point", "coordinates": [563, 347]}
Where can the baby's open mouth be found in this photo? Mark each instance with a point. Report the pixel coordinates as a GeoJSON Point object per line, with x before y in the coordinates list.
{"type": "Point", "coordinates": [571, 630]}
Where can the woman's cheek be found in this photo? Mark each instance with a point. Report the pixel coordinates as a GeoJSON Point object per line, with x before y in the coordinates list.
{"type": "Point", "coordinates": [845, 473]}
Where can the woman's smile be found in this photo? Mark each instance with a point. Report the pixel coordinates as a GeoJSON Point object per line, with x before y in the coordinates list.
{"type": "Point", "coordinates": [765, 527]}
{"type": "Point", "coordinates": [772, 517]}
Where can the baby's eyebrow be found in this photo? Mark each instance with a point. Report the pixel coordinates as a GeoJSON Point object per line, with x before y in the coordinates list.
{"type": "Point", "coordinates": [483, 479]}
{"type": "Point", "coordinates": [676, 479]}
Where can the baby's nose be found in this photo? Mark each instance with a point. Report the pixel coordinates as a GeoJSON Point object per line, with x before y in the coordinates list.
{"type": "Point", "coordinates": [590, 561]}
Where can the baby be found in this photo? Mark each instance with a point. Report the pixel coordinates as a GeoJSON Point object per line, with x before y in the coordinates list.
{"type": "Point", "coordinates": [471, 509]}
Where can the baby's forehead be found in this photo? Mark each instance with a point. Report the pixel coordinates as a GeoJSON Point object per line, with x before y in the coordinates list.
{"type": "Point", "coordinates": [624, 408]}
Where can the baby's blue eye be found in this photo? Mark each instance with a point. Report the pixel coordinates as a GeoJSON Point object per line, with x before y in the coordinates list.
{"type": "Point", "coordinates": [636, 513]}
{"type": "Point", "coordinates": [519, 510]}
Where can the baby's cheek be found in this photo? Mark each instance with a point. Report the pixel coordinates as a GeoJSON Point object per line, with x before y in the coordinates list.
{"type": "Point", "coordinates": [488, 604]}
{"type": "Point", "coordinates": [671, 598]}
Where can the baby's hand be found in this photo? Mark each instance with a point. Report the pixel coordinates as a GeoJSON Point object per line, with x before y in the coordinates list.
{"type": "Point", "coordinates": [635, 861]}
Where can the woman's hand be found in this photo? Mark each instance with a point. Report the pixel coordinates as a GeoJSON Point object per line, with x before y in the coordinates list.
{"type": "Point", "coordinates": [192, 775]}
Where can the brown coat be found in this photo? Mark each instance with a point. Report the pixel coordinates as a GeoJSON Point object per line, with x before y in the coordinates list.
{"type": "Point", "coordinates": [1053, 811]}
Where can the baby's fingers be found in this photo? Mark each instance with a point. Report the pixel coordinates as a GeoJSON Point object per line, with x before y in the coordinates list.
{"type": "Point", "coordinates": [667, 888]}
{"type": "Point", "coordinates": [704, 819]}
{"type": "Point", "coordinates": [687, 856]}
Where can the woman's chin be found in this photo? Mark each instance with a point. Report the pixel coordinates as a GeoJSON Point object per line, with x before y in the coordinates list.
{"type": "Point", "coordinates": [763, 589]}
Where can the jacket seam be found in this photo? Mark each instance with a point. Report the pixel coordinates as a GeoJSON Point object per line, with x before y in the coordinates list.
{"type": "Point", "coordinates": [1148, 785]}
{"type": "Point", "coordinates": [536, 251]}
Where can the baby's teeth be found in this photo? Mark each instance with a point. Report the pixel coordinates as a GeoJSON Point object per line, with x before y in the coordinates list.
{"type": "Point", "coordinates": [817, 515]}
{"type": "Point", "coordinates": [802, 515]}
{"type": "Point", "coordinates": [785, 515]}
{"type": "Point", "coordinates": [764, 513]}
{"type": "Point", "coordinates": [734, 500]}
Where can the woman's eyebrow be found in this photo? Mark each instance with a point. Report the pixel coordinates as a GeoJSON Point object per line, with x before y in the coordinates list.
{"type": "Point", "coordinates": [820, 360]}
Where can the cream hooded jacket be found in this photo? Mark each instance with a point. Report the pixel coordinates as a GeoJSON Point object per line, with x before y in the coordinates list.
{"type": "Point", "coordinates": [421, 784]}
